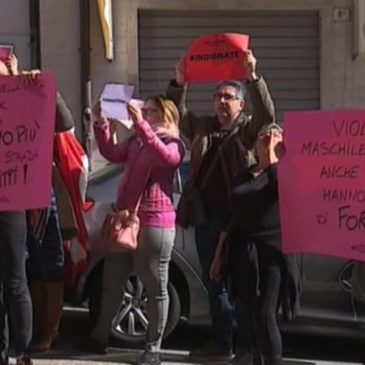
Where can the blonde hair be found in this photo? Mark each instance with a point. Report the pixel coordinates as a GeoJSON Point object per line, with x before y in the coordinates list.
{"type": "Point", "coordinates": [169, 113]}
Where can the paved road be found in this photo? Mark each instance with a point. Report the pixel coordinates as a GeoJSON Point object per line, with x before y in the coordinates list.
{"type": "Point", "coordinates": [298, 350]}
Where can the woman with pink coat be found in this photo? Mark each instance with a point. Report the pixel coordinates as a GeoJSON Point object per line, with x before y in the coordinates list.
{"type": "Point", "coordinates": [150, 159]}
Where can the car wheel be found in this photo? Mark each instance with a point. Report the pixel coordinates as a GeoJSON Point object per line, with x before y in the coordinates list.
{"type": "Point", "coordinates": [130, 322]}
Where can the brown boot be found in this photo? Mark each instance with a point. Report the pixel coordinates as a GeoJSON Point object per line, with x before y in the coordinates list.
{"type": "Point", "coordinates": [36, 292]}
{"type": "Point", "coordinates": [53, 303]}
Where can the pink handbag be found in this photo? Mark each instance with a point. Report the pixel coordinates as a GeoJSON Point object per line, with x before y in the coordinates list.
{"type": "Point", "coordinates": [120, 231]}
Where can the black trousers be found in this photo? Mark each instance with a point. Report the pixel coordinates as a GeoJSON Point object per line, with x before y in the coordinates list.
{"type": "Point", "coordinates": [13, 284]}
{"type": "Point", "coordinates": [258, 283]}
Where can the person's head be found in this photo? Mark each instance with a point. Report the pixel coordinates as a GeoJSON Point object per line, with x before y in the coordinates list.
{"type": "Point", "coordinates": [160, 110]}
{"type": "Point", "coordinates": [229, 101]}
{"type": "Point", "coordinates": [269, 132]}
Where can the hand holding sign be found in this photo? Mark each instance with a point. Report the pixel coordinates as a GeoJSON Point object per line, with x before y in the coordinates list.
{"type": "Point", "coordinates": [180, 71]}
{"type": "Point", "coordinates": [114, 99]}
{"type": "Point", "coordinates": [249, 64]}
{"type": "Point", "coordinates": [219, 57]}
{"type": "Point", "coordinates": [12, 64]}
{"type": "Point", "coordinates": [135, 112]}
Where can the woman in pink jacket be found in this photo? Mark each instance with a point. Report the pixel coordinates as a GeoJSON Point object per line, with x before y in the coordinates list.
{"type": "Point", "coordinates": [150, 160]}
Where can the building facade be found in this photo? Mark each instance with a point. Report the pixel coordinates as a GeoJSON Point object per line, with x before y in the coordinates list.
{"type": "Point", "coordinates": [305, 48]}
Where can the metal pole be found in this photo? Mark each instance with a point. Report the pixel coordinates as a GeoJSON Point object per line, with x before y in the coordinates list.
{"type": "Point", "coordinates": [35, 42]}
{"type": "Point", "coordinates": [85, 72]}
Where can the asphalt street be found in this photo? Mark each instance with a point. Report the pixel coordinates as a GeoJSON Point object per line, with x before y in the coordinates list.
{"type": "Point", "coordinates": [299, 350]}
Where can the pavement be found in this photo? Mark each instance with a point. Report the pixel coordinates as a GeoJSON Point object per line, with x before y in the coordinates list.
{"type": "Point", "coordinates": [129, 357]}
{"type": "Point", "coordinates": [302, 351]}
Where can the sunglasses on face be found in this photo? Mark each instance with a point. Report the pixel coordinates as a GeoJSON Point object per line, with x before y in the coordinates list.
{"type": "Point", "coordinates": [225, 96]}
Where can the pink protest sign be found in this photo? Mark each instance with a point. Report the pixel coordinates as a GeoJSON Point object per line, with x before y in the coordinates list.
{"type": "Point", "coordinates": [216, 57]}
{"type": "Point", "coordinates": [27, 120]}
{"type": "Point", "coordinates": [322, 183]}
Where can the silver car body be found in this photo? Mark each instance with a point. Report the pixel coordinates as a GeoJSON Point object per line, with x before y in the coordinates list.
{"type": "Point", "coordinates": [327, 302]}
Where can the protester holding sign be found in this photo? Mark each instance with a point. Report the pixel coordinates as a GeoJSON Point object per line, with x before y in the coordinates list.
{"type": "Point", "coordinates": [220, 151]}
{"type": "Point", "coordinates": [150, 160]}
{"type": "Point", "coordinates": [13, 280]}
{"type": "Point", "coordinates": [262, 276]}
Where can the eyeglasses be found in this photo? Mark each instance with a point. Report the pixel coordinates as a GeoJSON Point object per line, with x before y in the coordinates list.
{"type": "Point", "coordinates": [149, 110]}
{"type": "Point", "coordinates": [225, 97]}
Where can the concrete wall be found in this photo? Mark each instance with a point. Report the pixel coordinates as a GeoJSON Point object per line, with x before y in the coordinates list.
{"type": "Point", "coordinates": [15, 28]}
{"type": "Point", "coordinates": [60, 49]}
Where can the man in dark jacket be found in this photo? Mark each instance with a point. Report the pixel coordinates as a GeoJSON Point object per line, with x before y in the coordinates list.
{"type": "Point", "coordinates": [220, 151]}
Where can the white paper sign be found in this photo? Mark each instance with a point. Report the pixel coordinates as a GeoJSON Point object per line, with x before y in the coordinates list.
{"type": "Point", "coordinates": [128, 122]}
{"type": "Point", "coordinates": [114, 99]}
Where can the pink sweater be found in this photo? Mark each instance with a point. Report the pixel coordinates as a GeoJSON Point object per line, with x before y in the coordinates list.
{"type": "Point", "coordinates": [146, 157]}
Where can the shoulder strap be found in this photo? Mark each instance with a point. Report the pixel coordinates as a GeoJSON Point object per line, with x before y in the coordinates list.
{"type": "Point", "coordinates": [217, 156]}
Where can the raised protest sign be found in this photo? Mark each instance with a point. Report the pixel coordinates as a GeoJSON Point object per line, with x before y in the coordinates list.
{"type": "Point", "coordinates": [27, 121]}
{"type": "Point", "coordinates": [322, 183]}
{"type": "Point", "coordinates": [216, 57]}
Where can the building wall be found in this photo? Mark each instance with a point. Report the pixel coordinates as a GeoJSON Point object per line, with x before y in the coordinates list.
{"type": "Point", "coordinates": [15, 28]}
{"type": "Point", "coordinates": [342, 81]}
{"type": "Point", "coordinates": [342, 78]}
{"type": "Point", "coordinates": [60, 49]}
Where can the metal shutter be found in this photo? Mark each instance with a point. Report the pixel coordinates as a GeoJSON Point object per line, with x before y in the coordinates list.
{"type": "Point", "coordinates": [286, 44]}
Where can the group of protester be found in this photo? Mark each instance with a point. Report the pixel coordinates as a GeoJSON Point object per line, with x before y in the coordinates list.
{"type": "Point", "coordinates": [234, 168]}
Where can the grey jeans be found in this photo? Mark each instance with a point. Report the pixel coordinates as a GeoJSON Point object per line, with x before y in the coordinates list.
{"type": "Point", "coordinates": [151, 264]}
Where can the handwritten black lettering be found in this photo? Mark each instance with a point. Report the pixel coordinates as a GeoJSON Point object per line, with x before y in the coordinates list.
{"type": "Point", "coordinates": [22, 157]}
{"type": "Point", "coordinates": [332, 149]}
{"type": "Point", "coordinates": [5, 88]}
{"type": "Point", "coordinates": [322, 219]}
{"type": "Point", "coordinates": [25, 173]}
{"type": "Point", "coordinates": [20, 134]}
{"type": "Point", "coordinates": [344, 172]}
{"type": "Point", "coordinates": [350, 221]}
{"type": "Point", "coordinates": [354, 128]}
{"type": "Point", "coordinates": [343, 195]}
{"type": "Point", "coordinates": [217, 56]}
{"type": "Point", "coordinates": [9, 177]}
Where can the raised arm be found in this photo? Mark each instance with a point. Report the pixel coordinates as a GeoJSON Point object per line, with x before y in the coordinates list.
{"type": "Point", "coordinates": [116, 153]}
{"type": "Point", "coordinates": [263, 110]}
{"type": "Point", "coordinates": [262, 106]}
{"type": "Point", "coordinates": [190, 123]}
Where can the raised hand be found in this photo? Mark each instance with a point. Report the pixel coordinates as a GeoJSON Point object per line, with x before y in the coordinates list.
{"type": "Point", "coordinates": [29, 77]}
{"type": "Point", "coordinates": [180, 70]}
{"type": "Point", "coordinates": [135, 112]}
{"type": "Point", "coordinates": [12, 64]}
{"type": "Point", "coordinates": [249, 63]}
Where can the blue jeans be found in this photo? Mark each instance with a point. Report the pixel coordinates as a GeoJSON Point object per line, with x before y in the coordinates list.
{"type": "Point", "coordinates": [221, 309]}
{"type": "Point", "coordinates": [13, 283]}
